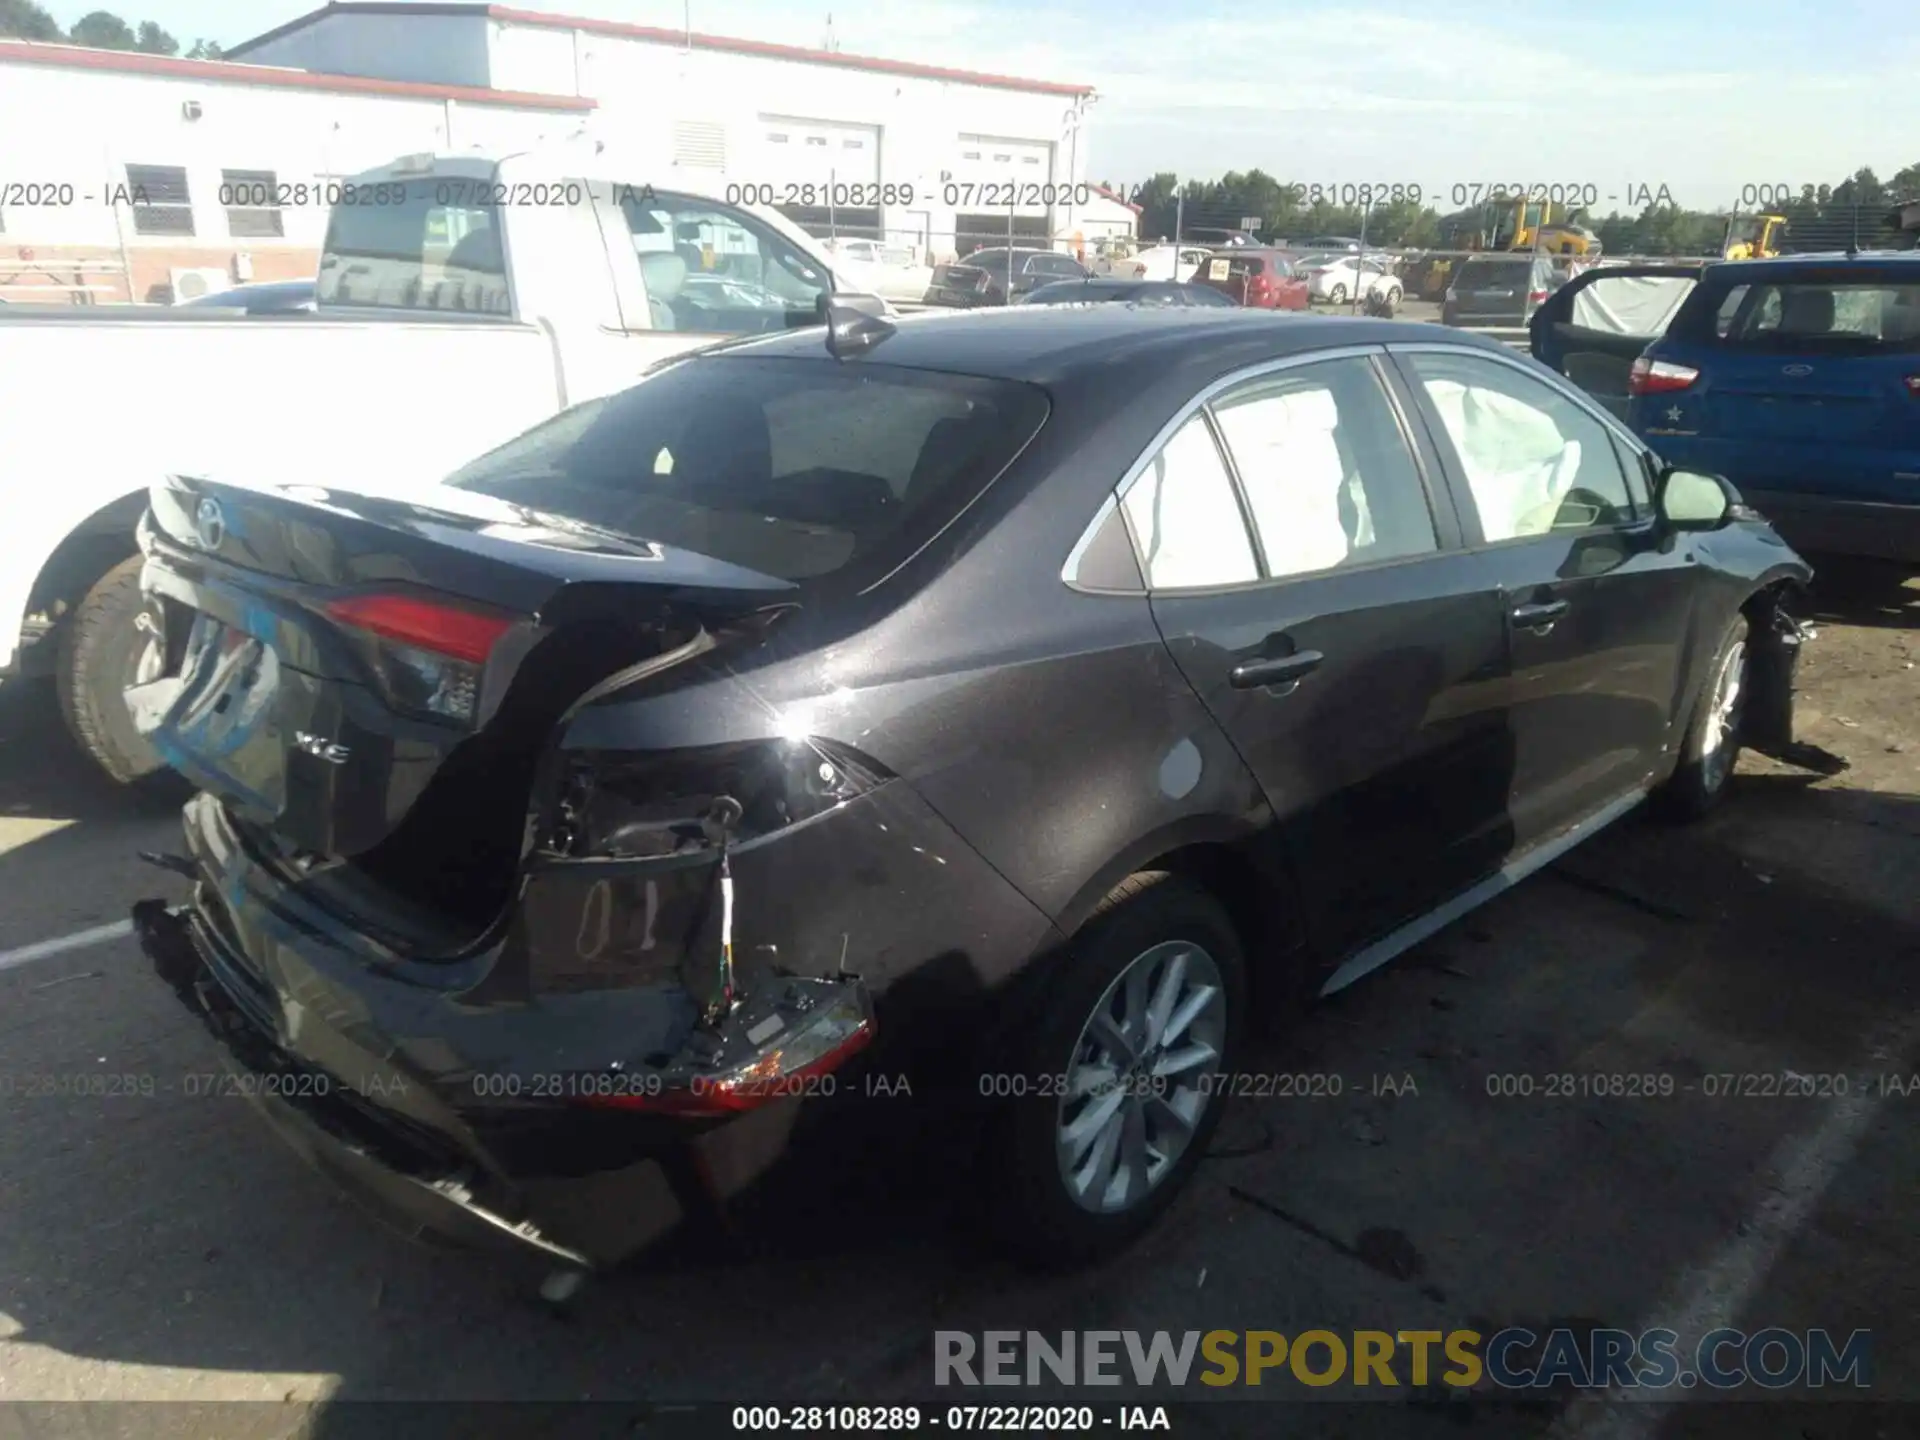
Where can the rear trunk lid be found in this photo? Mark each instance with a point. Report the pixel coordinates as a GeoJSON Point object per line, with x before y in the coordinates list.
{"type": "Point", "coordinates": [1810, 382]}
{"type": "Point", "coordinates": [322, 657]}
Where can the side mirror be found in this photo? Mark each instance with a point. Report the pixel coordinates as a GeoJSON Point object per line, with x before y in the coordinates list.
{"type": "Point", "coordinates": [841, 301]}
{"type": "Point", "coordinates": [1689, 500]}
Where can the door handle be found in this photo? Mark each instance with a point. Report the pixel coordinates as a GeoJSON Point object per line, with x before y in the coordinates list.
{"type": "Point", "coordinates": [1545, 612]}
{"type": "Point", "coordinates": [1254, 674]}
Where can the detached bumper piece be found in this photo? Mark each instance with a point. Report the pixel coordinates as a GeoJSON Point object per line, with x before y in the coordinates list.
{"type": "Point", "coordinates": [1778, 637]}
{"type": "Point", "coordinates": [402, 1173]}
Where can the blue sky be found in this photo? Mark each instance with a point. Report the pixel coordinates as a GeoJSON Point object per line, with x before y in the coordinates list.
{"type": "Point", "coordinates": [1702, 96]}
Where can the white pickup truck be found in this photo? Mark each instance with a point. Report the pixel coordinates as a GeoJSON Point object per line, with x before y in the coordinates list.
{"type": "Point", "coordinates": [460, 300]}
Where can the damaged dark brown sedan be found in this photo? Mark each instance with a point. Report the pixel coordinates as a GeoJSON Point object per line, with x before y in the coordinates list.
{"type": "Point", "coordinates": [1049, 684]}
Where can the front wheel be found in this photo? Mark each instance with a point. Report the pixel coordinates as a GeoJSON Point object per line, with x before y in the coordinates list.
{"type": "Point", "coordinates": [1712, 743]}
{"type": "Point", "coordinates": [1337, 295]}
{"type": "Point", "coordinates": [103, 650]}
{"type": "Point", "coordinates": [1118, 1087]}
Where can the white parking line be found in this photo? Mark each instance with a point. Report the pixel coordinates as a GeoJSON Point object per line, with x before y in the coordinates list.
{"type": "Point", "coordinates": [1714, 1294]}
{"type": "Point", "coordinates": [79, 940]}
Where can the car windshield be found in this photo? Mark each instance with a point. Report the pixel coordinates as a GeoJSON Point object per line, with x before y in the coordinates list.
{"type": "Point", "coordinates": [791, 467]}
{"type": "Point", "coordinates": [1835, 313]}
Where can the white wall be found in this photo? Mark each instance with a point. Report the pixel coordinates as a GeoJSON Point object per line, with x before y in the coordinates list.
{"type": "Point", "coordinates": [643, 86]}
{"type": "Point", "coordinates": [438, 49]}
{"type": "Point", "coordinates": [108, 120]}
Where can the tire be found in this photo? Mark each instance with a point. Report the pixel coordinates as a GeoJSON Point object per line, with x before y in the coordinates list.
{"type": "Point", "coordinates": [100, 653]}
{"type": "Point", "coordinates": [1163, 928]}
{"type": "Point", "coordinates": [1393, 297]}
{"type": "Point", "coordinates": [1337, 295]}
{"type": "Point", "coordinates": [1711, 748]}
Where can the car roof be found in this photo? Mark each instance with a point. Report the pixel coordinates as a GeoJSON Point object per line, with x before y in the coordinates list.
{"type": "Point", "coordinates": [1036, 343]}
{"type": "Point", "coordinates": [1828, 260]}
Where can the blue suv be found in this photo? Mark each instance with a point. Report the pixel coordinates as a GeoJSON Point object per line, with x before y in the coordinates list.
{"type": "Point", "coordinates": [1797, 378]}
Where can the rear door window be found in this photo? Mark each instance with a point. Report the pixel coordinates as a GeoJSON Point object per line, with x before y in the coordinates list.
{"type": "Point", "coordinates": [1185, 517]}
{"type": "Point", "coordinates": [416, 245]}
{"type": "Point", "coordinates": [1325, 469]}
{"type": "Point", "coordinates": [792, 467]}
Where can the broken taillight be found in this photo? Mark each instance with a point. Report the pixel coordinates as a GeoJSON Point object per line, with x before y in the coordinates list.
{"type": "Point", "coordinates": [757, 1055]}
{"type": "Point", "coordinates": [637, 804]}
{"type": "Point", "coordinates": [430, 656]}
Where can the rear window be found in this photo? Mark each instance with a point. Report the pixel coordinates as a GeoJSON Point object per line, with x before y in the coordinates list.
{"type": "Point", "coordinates": [416, 245]}
{"type": "Point", "coordinates": [1242, 267]}
{"type": "Point", "coordinates": [1843, 312]}
{"type": "Point", "coordinates": [1496, 272]}
{"type": "Point", "coordinates": [794, 468]}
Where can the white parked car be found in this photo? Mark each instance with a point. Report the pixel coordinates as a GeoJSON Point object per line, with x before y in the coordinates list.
{"type": "Point", "coordinates": [1158, 262]}
{"type": "Point", "coordinates": [893, 272]}
{"type": "Point", "coordinates": [443, 324]}
{"type": "Point", "coordinates": [1340, 278]}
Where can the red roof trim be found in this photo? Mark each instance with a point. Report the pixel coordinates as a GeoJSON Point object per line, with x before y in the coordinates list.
{"type": "Point", "coordinates": [75, 57]}
{"type": "Point", "coordinates": [508, 15]}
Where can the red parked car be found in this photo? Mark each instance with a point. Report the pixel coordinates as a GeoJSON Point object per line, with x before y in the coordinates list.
{"type": "Point", "coordinates": [1263, 279]}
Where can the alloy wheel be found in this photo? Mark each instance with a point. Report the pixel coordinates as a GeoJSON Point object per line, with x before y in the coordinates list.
{"type": "Point", "coordinates": [1720, 736]}
{"type": "Point", "coordinates": [1141, 1076]}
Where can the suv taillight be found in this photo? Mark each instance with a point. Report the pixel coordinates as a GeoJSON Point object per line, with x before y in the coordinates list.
{"type": "Point", "coordinates": [1536, 297]}
{"type": "Point", "coordinates": [1913, 385]}
{"type": "Point", "coordinates": [1655, 377]}
{"type": "Point", "coordinates": [430, 656]}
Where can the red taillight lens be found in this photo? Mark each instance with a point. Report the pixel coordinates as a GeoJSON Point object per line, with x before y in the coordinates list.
{"type": "Point", "coordinates": [1913, 385]}
{"type": "Point", "coordinates": [1536, 297]}
{"type": "Point", "coordinates": [430, 657]}
{"type": "Point", "coordinates": [1656, 377]}
{"type": "Point", "coordinates": [424, 625]}
{"type": "Point", "coordinates": [804, 1046]}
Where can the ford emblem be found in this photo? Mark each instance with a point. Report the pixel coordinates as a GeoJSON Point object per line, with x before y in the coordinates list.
{"type": "Point", "coordinates": [210, 524]}
{"type": "Point", "coordinates": [1796, 370]}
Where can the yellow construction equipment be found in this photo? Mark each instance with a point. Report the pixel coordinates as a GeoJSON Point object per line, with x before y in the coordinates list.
{"type": "Point", "coordinates": [1516, 225]}
{"type": "Point", "coordinates": [1753, 237]}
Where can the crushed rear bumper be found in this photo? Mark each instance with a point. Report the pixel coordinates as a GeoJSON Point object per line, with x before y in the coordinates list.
{"type": "Point", "coordinates": [476, 1120]}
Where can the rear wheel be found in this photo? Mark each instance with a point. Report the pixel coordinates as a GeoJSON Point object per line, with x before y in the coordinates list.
{"type": "Point", "coordinates": [102, 651]}
{"type": "Point", "coordinates": [1337, 295]}
{"type": "Point", "coordinates": [1712, 744]}
{"type": "Point", "coordinates": [1116, 1088]}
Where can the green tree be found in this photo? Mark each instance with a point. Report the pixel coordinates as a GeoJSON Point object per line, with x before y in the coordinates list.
{"type": "Point", "coordinates": [204, 50]}
{"type": "Point", "coordinates": [24, 20]}
{"type": "Point", "coordinates": [152, 40]}
{"type": "Point", "coordinates": [103, 31]}
{"type": "Point", "coordinates": [1155, 199]}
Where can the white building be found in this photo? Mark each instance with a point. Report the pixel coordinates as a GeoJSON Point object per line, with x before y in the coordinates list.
{"type": "Point", "coordinates": [920, 154]}
{"type": "Point", "coordinates": [89, 130]}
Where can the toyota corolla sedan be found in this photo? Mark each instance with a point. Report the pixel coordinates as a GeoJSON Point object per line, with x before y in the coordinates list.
{"type": "Point", "coordinates": [1060, 685]}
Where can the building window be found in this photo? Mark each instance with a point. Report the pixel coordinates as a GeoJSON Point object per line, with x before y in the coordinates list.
{"type": "Point", "coordinates": [161, 204]}
{"type": "Point", "coordinates": [819, 140]}
{"type": "Point", "coordinates": [700, 143]}
{"type": "Point", "coordinates": [1030, 160]}
{"type": "Point", "coordinates": [969, 154]}
{"type": "Point", "coordinates": [251, 201]}
{"type": "Point", "coordinates": [1003, 159]}
{"type": "Point", "coordinates": [853, 144]}
{"type": "Point", "coordinates": [777, 137]}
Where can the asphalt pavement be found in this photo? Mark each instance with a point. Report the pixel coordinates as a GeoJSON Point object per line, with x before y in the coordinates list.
{"type": "Point", "coordinates": [157, 1243]}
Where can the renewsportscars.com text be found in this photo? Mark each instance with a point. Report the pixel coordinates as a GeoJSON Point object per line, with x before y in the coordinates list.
{"type": "Point", "coordinates": [1515, 1358]}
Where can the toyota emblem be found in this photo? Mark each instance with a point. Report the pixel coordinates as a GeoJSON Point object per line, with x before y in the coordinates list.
{"type": "Point", "coordinates": [209, 524]}
{"type": "Point", "coordinates": [1796, 370]}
